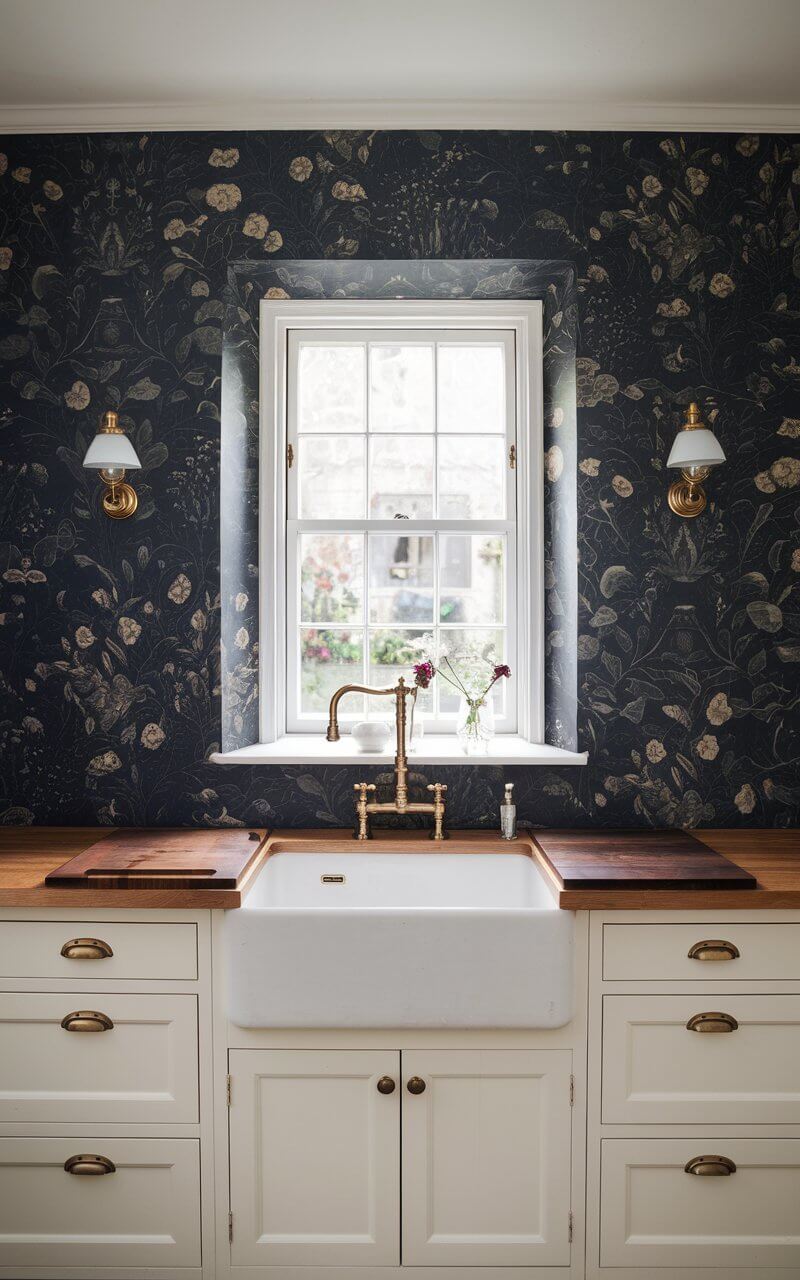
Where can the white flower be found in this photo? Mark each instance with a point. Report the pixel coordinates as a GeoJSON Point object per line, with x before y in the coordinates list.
{"type": "Point", "coordinates": [590, 466]}
{"type": "Point", "coordinates": [721, 285]}
{"type": "Point", "coordinates": [348, 191]}
{"type": "Point", "coordinates": [242, 638]}
{"type": "Point", "coordinates": [697, 180]}
{"type": "Point", "coordinates": [622, 486]}
{"type": "Point", "coordinates": [655, 751]}
{"type": "Point", "coordinates": [84, 637]}
{"type": "Point", "coordinates": [553, 463]}
{"type": "Point", "coordinates": [106, 762]}
{"type": "Point", "coordinates": [255, 225]}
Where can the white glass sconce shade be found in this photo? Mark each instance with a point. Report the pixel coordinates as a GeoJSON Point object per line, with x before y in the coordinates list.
{"type": "Point", "coordinates": [697, 447]}
{"type": "Point", "coordinates": [111, 452]}
{"type": "Point", "coordinates": [695, 451]}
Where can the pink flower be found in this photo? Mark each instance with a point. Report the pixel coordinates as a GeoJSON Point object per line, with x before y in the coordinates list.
{"type": "Point", "coordinates": [423, 674]}
{"type": "Point", "coordinates": [502, 670]}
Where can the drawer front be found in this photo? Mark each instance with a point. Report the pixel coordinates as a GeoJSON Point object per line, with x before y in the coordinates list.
{"type": "Point", "coordinates": [655, 1214]}
{"type": "Point", "coordinates": [141, 1069]}
{"type": "Point", "coordinates": [93, 950]}
{"type": "Point", "coordinates": [720, 952]}
{"type": "Point", "coordinates": [741, 1067]}
{"type": "Point", "coordinates": [144, 1213]}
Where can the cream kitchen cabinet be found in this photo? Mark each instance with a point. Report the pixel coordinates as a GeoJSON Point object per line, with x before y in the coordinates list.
{"type": "Point", "coordinates": [320, 1140]}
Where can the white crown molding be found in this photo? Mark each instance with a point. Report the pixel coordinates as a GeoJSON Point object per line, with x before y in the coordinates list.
{"type": "Point", "coordinates": [308, 115]}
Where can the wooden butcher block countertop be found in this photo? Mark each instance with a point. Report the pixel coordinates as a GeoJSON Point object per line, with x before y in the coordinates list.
{"type": "Point", "coordinates": [28, 854]}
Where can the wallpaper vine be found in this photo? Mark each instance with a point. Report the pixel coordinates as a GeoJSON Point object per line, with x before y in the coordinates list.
{"type": "Point", "coordinates": [114, 260]}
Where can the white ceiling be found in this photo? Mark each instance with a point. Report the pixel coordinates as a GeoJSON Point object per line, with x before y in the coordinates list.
{"type": "Point", "coordinates": [149, 64]}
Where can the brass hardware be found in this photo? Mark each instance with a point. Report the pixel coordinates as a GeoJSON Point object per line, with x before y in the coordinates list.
{"type": "Point", "coordinates": [230, 1228]}
{"type": "Point", "coordinates": [332, 879]}
{"type": "Point", "coordinates": [228, 1090]}
{"type": "Point", "coordinates": [710, 1166]}
{"type": "Point", "coordinates": [712, 1023]}
{"type": "Point", "coordinates": [714, 949]}
{"type": "Point", "coordinates": [686, 497]}
{"type": "Point", "coordinates": [89, 1166]}
{"type": "Point", "coordinates": [86, 949]}
{"type": "Point", "coordinates": [119, 499]}
{"type": "Point", "coordinates": [512, 457]}
{"type": "Point", "coordinates": [87, 1020]}
{"type": "Point", "coordinates": [401, 803]}
{"type": "Point", "coordinates": [416, 1085]}
{"type": "Point", "coordinates": [570, 1226]}
{"type": "Point", "coordinates": [386, 1085]}
{"type": "Point", "coordinates": [290, 456]}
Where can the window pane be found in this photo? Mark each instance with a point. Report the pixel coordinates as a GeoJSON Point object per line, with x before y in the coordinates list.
{"type": "Point", "coordinates": [471, 575]}
{"type": "Point", "coordinates": [471, 381]}
{"type": "Point", "coordinates": [400, 578]}
{"type": "Point", "coordinates": [473, 652]}
{"type": "Point", "coordinates": [401, 482]}
{"type": "Point", "coordinates": [330, 388]}
{"type": "Point", "coordinates": [471, 477]}
{"type": "Point", "coordinates": [401, 388]}
{"type": "Point", "coordinates": [329, 659]}
{"type": "Point", "coordinates": [331, 477]}
{"type": "Point", "coordinates": [331, 577]}
{"type": "Point", "coordinates": [390, 657]}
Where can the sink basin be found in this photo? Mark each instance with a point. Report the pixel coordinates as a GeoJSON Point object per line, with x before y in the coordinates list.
{"type": "Point", "coordinates": [399, 940]}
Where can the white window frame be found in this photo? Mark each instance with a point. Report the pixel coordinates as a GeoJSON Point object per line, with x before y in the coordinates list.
{"type": "Point", "coordinates": [277, 319]}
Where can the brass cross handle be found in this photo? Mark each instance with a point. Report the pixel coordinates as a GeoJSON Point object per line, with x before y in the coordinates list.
{"type": "Point", "coordinates": [438, 789]}
{"type": "Point", "coordinates": [363, 787]}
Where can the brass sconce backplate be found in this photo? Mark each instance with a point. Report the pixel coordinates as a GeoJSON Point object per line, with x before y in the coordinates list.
{"type": "Point", "coordinates": [686, 497]}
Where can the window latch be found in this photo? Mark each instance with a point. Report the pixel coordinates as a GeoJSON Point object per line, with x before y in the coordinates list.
{"type": "Point", "coordinates": [512, 457]}
{"type": "Point", "coordinates": [289, 456]}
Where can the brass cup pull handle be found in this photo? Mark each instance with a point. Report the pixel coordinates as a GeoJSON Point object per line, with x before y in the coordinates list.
{"type": "Point", "coordinates": [710, 1166]}
{"type": "Point", "coordinates": [87, 1020]}
{"type": "Point", "coordinates": [86, 949]}
{"type": "Point", "coordinates": [89, 1166]}
{"type": "Point", "coordinates": [386, 1085]}
{"type": "Point", "coordinates": [416, 1085]}
{"type": "Point", "coordinates": [714, 949]}
{"type": "Point", "coordinates": [712, 1022]}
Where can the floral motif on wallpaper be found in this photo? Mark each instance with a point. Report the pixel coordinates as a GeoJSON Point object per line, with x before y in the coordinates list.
{"type": "Point", "coordinates": [114, 254]}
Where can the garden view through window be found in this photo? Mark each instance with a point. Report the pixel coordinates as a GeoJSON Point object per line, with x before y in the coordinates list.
{"type": "Point", "coordinates": [401, 514]}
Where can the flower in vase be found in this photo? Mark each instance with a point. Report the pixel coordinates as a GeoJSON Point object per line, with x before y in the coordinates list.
{"type": "Point", "coordinates": [423, 674]}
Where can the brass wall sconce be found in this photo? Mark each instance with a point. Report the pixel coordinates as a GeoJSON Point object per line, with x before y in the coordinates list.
{"type": "Point", "coordinates": [695, 451]}
{"type": "Point", "coordinates": [111, 453]}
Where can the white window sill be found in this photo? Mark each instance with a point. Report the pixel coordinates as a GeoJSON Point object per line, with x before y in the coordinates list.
{"type": "Point", "coordinates": [308, 748]}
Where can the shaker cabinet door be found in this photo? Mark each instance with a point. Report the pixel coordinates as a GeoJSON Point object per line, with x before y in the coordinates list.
{"type": "Point", "coordinates": [486, 1157]}
{"type": "Point", "coordinates": [315, 1157]}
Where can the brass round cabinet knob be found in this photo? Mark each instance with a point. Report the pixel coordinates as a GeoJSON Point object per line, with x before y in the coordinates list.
{"type": "Point", "coordinates": [386, 1085]}
{"type": "Point", "coordinates": [416, 1085]}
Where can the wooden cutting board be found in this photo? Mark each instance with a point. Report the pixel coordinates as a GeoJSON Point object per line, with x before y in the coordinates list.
{"type": "Point", "coordinates": [637, 859]}
{"type": "Point", "coordinates": [152, 858]}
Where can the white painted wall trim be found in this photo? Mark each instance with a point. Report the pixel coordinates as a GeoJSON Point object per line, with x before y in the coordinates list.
{"type": "Point", "coordinates": [154, 117]}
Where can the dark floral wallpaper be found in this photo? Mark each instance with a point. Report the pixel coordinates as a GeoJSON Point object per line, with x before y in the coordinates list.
{"type": "Point", "coordinates": [115, 252]}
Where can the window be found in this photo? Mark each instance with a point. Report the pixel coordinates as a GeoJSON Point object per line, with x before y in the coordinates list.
{"type": "Point", "coordinates": [402, 444]}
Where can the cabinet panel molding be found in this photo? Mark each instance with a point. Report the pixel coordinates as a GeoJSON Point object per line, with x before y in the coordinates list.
{"type": "Point", "coordinates": [486, 1157]}
{"type": "Point", "coordinates": [741, 1067]}
{"type": "Point", "coordinates": [314, 1157]}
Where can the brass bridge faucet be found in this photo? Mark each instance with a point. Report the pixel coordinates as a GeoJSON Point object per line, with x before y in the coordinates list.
{"type": "Point", "coordinates": [401, 803]}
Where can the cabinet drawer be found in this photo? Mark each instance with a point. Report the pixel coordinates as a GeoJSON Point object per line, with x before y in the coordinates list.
{"type": "Point", "coordinates": [720, 952]}
{"type": "Point", "coordinates": [34, 949]}
{"type": "Point", "coordinates": [655, 1214]}
{"type": "Point", "coordinates": [143, 1069]}
{"type": "Point", "coordinates": [146, 1213]}
{"type": "Point", "coordinates": [658, 1071]}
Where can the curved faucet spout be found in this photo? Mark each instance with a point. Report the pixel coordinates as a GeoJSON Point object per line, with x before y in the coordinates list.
{"type": "Point", "coordinates": [333, 715]}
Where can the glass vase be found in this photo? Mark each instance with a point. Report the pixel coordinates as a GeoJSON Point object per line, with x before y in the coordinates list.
{"type": "Point", "coordinates": [475, 725]}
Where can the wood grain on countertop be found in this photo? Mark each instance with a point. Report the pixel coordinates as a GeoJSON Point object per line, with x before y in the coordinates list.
{"type": "Point", "coordinates": [27, 854]}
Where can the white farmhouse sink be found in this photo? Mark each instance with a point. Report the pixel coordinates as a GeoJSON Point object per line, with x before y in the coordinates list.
{"type": "Point", "coordinates": [399, 940]}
